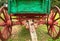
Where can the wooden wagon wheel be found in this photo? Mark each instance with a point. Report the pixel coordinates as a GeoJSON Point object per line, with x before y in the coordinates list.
{"type": "Point", "coordinates": [5, 32]}
{"type": "Point", "coordinates": [53, 25]}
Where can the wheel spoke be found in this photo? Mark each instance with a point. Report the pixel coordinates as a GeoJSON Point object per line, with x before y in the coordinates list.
{"type": "Point", "coordinates": [56, 25]}
{"type": "Point", "coordinates": [55, 31]}
{"type": "Point", "coordinates": [52, 31]}
{"type": "Point", "coordinates": [55, 15]}
{"type": "Point", "coordinates": [56, 19]}
{"type": "Point", "coordinates": [6, 14]}
{"type": "Point", "coordinates": [2, 18]}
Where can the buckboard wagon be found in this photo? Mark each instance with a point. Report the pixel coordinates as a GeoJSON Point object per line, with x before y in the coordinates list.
{"type": "Point", "coordinates": [30, 13]}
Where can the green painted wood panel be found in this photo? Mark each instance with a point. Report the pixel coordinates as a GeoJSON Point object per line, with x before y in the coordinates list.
{"type": "Point", "coordinates": [29, 6]}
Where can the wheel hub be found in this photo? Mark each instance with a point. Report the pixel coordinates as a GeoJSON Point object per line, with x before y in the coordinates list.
{"type": "Point", "coordinates": [8, 23]}
{"type": "Point", "coordinates": [50, 22]}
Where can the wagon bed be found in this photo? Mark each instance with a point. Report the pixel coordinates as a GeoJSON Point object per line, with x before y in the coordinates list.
{"type": "Point", "coordinates": [29, 6]}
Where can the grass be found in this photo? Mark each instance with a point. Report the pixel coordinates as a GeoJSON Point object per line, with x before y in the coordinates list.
{"type": "Point", "coordinates": [24, 35]}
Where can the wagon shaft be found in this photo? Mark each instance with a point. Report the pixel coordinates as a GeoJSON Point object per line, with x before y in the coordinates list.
{"type": "Point", "coordinates": [32, 30]}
